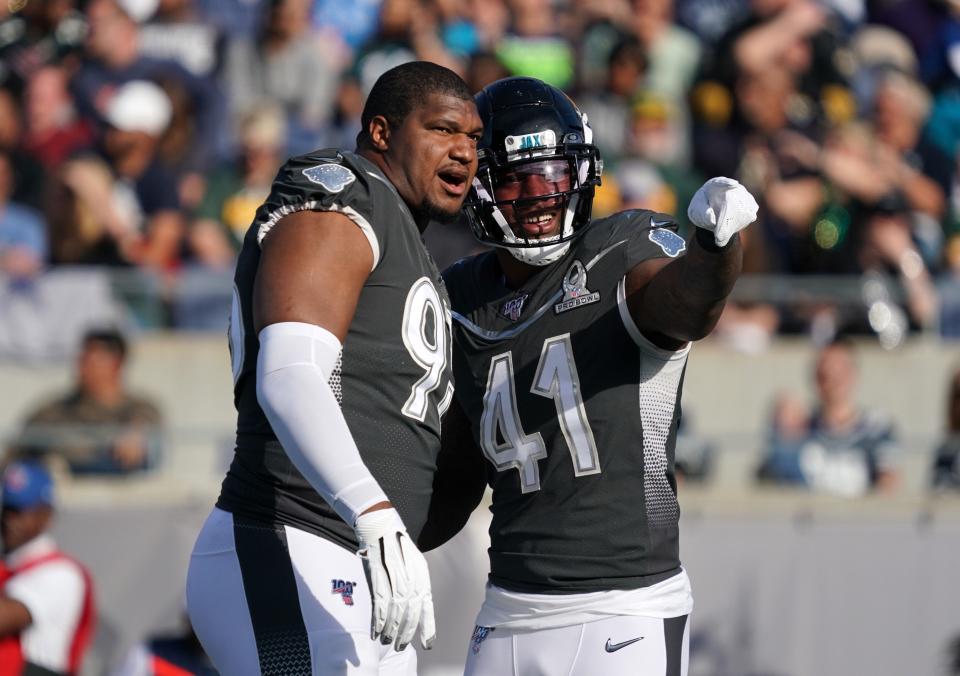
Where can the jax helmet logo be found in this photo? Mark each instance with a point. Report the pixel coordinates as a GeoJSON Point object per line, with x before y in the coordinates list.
{"type": "Point", "coordinates": [525, 142]}
{"type": "Point", "coordinates": [345, 589]}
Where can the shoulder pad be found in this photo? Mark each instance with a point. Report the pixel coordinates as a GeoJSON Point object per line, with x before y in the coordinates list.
{"type": "Point", "coordinates": [325, 180]}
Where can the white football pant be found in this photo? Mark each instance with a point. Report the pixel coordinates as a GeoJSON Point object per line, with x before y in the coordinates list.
{"type": "Point", "coordinates": [277, 600]}
{"type": "Point", "coordinates": [614, 646]}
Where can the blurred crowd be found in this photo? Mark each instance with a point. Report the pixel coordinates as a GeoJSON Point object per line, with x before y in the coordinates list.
{"type": "Point", "coordinates": [143, 134]}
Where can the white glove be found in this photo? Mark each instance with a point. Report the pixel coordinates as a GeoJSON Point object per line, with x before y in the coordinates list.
{"type": "Point", "coordinates": [399, 580]}
{"type": "Point", "coordinates": [722, 206]}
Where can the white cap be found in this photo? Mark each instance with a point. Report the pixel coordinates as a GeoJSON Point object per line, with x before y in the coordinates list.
{"type": "Point", "coordinates": [140, 105]}
{"type": "Point", "coordinates": [139, 10]}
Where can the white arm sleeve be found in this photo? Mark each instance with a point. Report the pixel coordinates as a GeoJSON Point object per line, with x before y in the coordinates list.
{"type": "Point", "coordinates": [293, 367]}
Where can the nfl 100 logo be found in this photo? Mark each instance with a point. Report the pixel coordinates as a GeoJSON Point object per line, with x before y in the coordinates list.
{"type": "Point", "coordinates": [513, 307]}
{"type": "Point", "coordinates": [345, 589]}
{"type": "Point", "coordinates": [480, 635]}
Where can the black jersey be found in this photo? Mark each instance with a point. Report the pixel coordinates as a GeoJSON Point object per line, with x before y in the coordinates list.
{"type": "Point", "coordinates": [393, 380]}
{"type": "Point", "coordinates": [575, 411]}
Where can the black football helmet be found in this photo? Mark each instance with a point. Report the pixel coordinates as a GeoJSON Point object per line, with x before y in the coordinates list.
{"type": "Point", "coordinates": [537, 162]}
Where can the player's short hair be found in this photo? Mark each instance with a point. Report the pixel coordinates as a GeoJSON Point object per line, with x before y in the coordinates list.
{"type": "Point", "coordinates": [403, 88]}
{"type": "Point", "coordinates": [108, 339]}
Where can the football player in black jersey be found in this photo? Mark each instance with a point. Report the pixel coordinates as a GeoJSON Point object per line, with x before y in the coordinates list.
{"type": "Point", "coordinates": [340, 343]}
{"type": "Point", "coordinates": [570, 342]}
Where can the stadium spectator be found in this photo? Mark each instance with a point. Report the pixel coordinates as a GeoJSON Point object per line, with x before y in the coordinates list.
{"type": "Point", "coordinates": [86, 225]}
{"type": "Point", "coordinates": [236, 190]}
{"type": "Point", "coordinates": [673, 52]}
{"type": "Point", "coordinates": [787, 432]}
{"type": "Point", "coordinates": [491, 19]}
{"type": "Point", "coordinates": [36, 34]}
{"type": "Point", "coordinates": [47, 613]}
{"type": "Point", "coordinates": [54, 132]}
{"type": "Point", "coordinates": [113, 57]}
{"type": "Point", "coordinates": [28, 173]}
{"type": "Point", "coordinates": [534, 44]}
{"type": "Point", "coordinates": [802, 36]}
{"type": "Point", "coordinates": [891, 185]}
{"type": "Point", "coordinates": [946, 465]}
{"type": "Point", "coordinates": [483, 68]}
{"type": "Point", "coordinates": [842, 448]}
{"type": "Point", "coordinates": [659, 133]}
{"type": "Point", "coordinates": [609, 107]}
{"type": "Point", "coordinates": [98, 426]}
{"type": "Point", "coordinates": [177, 32]}
{"type": "Point", "coordinates": [236, 18]}
{"type": "Point", "coordinates": [710, 20]}
{"type": "Point", "coordinates": [353, 23]}
{"type": "Point", "coordinates": [283, 65]}
{"type": "Point", "coordinates": [138, 113]}
{"type": "Point", "coordinates": [23, 236]}
{"type": "Point", "coordinates": [408, 31]}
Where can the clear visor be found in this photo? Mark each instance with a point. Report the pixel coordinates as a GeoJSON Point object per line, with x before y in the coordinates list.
{"type": "Point", "coordinates": [532, 179]}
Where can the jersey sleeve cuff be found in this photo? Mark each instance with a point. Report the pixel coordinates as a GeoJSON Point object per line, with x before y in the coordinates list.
{"type": "Point", "coordinates": [274, 217]}
{"type": "Point", "coordinates": [645, 345]}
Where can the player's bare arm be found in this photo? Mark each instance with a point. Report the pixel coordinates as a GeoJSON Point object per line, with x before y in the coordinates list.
{"type": "Point", "coordinates": [312, 269]}
{"type": "Point", "coordinates": [674, 301]}
{"type": "Point", "coordinates": [459, 482]}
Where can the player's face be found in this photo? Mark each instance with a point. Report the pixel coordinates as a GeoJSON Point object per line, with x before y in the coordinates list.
{"type": "Point", "coordinates": [531, 218]}
{"type": "Point", "coordinates": [433, 155]}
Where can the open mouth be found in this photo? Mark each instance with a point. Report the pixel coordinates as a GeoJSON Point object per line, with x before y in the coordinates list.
{"type": "Point", "coordinates": [538, 224]}
{"type": "Point", "coordinates": [454, 181]}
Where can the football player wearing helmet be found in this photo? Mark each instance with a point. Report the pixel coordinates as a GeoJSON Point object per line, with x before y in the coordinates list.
{"type": "Point", "coordinates": [570, 342]}
{"type": "Point", "coordinates": [340, 343]}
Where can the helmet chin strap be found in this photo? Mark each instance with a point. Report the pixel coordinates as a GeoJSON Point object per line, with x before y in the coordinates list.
{"type": "Point", "coordinates": [548, 253]}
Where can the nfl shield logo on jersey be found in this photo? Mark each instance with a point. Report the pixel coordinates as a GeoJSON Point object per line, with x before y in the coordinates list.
{"type": "Point", "coordinates": [512, 308]}
{"type": "Point", "coordinates": [671, 243]}
{"type": "Point", "coordinates": [575, 291]}
{"type": "Point", "coordinates": [345, 589]}
{"type": "Point", "coordinates": [333, 177]}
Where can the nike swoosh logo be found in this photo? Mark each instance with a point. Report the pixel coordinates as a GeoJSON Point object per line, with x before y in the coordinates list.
{"type": "Point", "coordinates": [614, 647]}
{"type": "Point", "coordinates": [658, 224]}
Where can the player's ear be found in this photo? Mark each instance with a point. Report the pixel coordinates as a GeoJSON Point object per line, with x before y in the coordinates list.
{"type": "Point", "coordinates": [379, 133]}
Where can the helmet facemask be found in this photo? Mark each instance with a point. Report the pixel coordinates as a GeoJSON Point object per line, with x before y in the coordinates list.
{"type": "Point", "coordinates": [537, 172]}
{"type": "Point", "coordinates": [517, 196]}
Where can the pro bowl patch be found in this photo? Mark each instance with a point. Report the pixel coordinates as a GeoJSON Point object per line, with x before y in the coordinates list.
{"type": "Point", "coordinates": [332, 177]}
{"type": "Point", "coordinates": [575, 291]}
{"type": "Point", "coordinates": [671, 243]}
